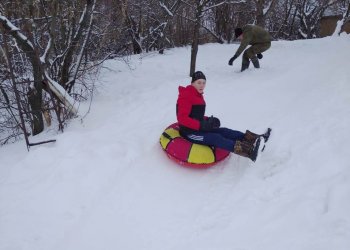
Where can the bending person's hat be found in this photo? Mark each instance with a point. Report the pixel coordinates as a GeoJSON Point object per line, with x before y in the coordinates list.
{"type": "Point", "coordinates": [198, 75]}
{"type": "Point", "coordinates": [238, 32]}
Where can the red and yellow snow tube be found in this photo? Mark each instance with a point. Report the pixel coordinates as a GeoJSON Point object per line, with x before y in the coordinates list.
{"type": "Point", "coordinates": [187, 153]}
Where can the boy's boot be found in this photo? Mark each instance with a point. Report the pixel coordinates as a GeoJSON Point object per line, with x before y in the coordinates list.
{"type": "Point", "coordinates": [247, 149]}
{"type": "Point", "coordinates": [250, 137]}
{"type": "Point", "coordinates": [255, 62]}
{"type": "Point", "coordinates": [242, 148]}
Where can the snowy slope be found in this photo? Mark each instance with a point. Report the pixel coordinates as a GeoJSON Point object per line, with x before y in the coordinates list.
{"type": "Point", "coordinates": [106, 184]}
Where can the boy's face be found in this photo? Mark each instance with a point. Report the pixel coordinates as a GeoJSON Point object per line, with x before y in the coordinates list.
{"type": "Point", "coordinates": [199, 85]}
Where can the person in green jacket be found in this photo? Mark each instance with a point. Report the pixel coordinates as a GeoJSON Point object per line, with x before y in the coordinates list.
{"type": "Point", "coordinates": [253, 35]}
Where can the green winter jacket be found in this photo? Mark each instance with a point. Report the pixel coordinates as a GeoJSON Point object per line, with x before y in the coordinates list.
{"type": "Point", "coordinates": [253, 34]}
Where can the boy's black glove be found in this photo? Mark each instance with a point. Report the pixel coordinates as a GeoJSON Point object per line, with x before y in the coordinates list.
{"type": "Point", "coordinates": [209, 124]}
{"type": "Point", "coordinates": [230, 62]}
{"type": "Point", "coordinates": [216, 122]}
{"type": "Point", "coordinates": [260, 56]}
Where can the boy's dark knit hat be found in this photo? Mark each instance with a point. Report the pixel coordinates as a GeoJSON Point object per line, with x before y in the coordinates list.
{"type": "Point", "coordinates": [238, 32]}
{"type": "Point", "coordinates": [198, 75]}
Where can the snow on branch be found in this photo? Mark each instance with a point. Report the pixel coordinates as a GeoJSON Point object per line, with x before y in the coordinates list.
{"type": "Point", "coordinates": [235, 1]}
{"type": "Point", "coordinates": [43, 58]}
{"type": "Point", "coordinates": [303, 34]}
{"type": "Point", "coordinates": [224, 2]}
{"type": "Point", "coordinates": [267, 8]}
{"type": "Point", "coordinates": [61, 94]}
{"type": "Point", "coordinates": [214, 6]}
{"type": "Point", "coordinates": [166, 9]}
{"type": "Point", "coordinates": [16, 32]}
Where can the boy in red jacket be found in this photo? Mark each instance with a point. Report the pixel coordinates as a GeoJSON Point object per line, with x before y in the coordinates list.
{"type": "Point", "coordinates": [197, 128]}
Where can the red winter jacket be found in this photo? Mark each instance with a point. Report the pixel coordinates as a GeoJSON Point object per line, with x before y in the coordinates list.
{"type": "Point", "coordinates": [190, 109]}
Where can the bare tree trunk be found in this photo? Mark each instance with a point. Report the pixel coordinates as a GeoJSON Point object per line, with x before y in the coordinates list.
{"type": "Point", "coordinates": [263, 7]}
{"type": "Point", "coordinates": [194, 47]}
{"type": "Point", "coordinates": [15, 90]}
{"type": "Point", "coordinates": [76, 39]}
{"type": "Point", "coordinates": [34, 94]}
{"type": "Point", "coordinates": [345, 18]}
{"type": "Point", "coordinates": [287, 15]}
{"type": "Point", "coordinates": [260, 18]}
{"type": "Point", "coordinates": [197, 24]}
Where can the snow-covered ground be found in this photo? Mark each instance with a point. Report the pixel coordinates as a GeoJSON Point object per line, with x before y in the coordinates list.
{"type": "Point", "coordinates": [106, 184]}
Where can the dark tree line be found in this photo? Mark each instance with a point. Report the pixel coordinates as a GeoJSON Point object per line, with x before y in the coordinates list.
{"type": "Point", "coordinates": [49, 47]}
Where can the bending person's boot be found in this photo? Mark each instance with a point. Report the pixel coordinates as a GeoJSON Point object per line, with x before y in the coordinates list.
{"type": "Point", "coordinates": [245, 65]}
{"type": "Point", "coordinates": [255, 62]}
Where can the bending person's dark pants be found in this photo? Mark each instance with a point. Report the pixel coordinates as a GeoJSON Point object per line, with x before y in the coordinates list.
{"type": "Point", "coordinates": [250, 54]}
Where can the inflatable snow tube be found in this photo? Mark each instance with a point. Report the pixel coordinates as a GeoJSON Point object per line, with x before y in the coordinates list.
{"type": "Point", "coordinates": [187, 153]}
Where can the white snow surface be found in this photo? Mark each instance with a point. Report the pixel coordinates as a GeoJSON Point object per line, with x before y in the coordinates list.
{"type": "Point", "coordinates": [106, 184]}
